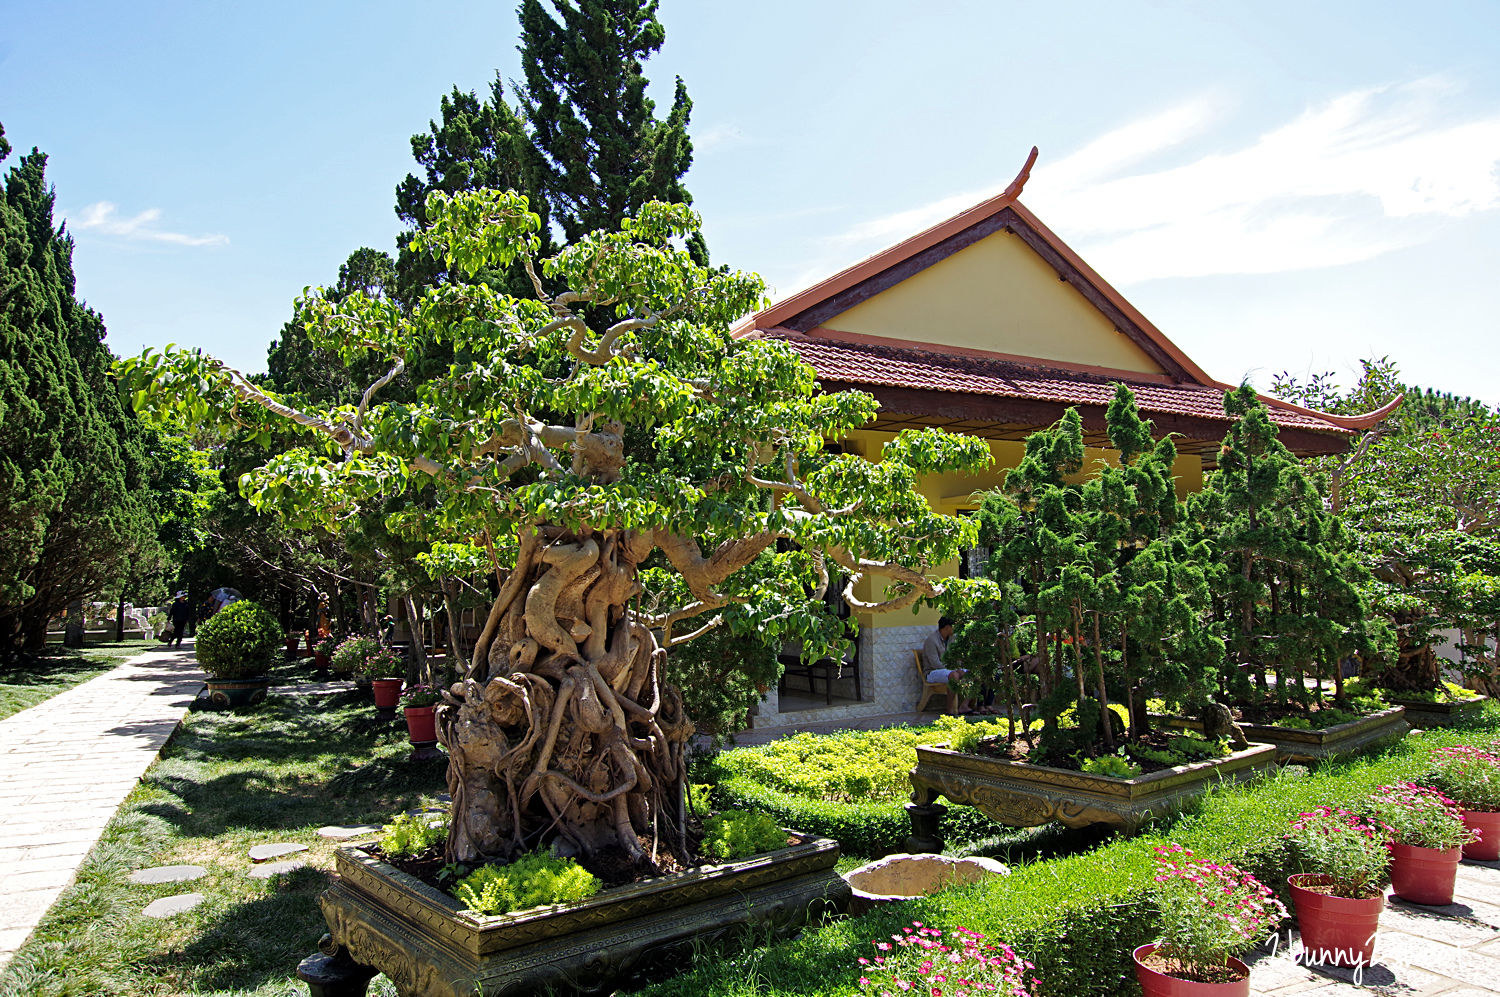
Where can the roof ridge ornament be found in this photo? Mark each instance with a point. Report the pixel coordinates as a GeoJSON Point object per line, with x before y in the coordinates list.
{"type": "Point", "coordinates": [1014, 190]}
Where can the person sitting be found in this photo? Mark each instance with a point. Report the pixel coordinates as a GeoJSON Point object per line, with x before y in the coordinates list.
{"type": "Point", "coordinates": [933, 650]}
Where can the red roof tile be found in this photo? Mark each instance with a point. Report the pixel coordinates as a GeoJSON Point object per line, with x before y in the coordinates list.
{"type": "Point", "coordinates": [860, 363]}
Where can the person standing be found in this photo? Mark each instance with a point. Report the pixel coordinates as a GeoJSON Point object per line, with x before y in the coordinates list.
{"type": "Point", "coordinates": [181, 615]}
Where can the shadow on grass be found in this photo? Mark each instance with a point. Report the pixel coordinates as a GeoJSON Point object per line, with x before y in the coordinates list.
{"type": "Point", "coordinates": [248, 945]}
{"type": "Point", "coordinates": [300, 761]}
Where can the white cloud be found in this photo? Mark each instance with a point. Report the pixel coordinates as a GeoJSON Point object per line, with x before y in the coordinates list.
{"type": "Point", "coordinates": [101, 217]}
{"type": "Point", "coordinates": [717, 137]}
{"type": "Point", "coordinates": [1362, 174]}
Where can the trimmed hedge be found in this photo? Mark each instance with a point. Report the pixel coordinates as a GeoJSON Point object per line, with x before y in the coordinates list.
{"type": "Point", "coordinates": [871, 829]}
{"type": "Point", "coordinates": [1077, 917]}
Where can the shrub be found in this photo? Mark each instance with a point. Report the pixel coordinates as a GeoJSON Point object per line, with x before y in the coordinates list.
{"type": "Point", "coordinates": [239, 641]}
{"type": "Point", "coordinates": [349, 657]}
{"type": "Point", "coordinates": [1209, 912]}
{"type": "Point", "coordinates": [420, 695]}
{"type": "Point", "coordinates": [734, 834]}
{"type": "Point", "coordinates": [1417, 816]}
{"type": "Point", "coordinates": [412, 834]}
{"type": "Point", "coordinates": [530, 881]}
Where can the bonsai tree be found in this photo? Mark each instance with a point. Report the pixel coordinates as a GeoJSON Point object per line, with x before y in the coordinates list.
{"type": "Point", "coordinates": [1288, 586]}
{"type": "Point", "coordinates": [629, 471]}
{"type": "Point", "coordinates": [242, 640]}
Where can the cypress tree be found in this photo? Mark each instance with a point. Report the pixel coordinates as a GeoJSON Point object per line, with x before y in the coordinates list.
{"type": "Point", "coordinates": [74, 462]}
{"type": "Point", "coordinates": [599, 151]}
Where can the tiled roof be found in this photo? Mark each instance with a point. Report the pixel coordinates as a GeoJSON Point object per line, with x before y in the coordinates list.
{"type": "Point", "coordinates": [930, 370]}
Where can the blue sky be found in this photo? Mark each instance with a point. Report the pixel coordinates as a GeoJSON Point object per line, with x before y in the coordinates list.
{"type": "Point", "coordinates": [1276, 185]}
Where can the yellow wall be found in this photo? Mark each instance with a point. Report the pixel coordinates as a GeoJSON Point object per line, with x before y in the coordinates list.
{"type": "Point", "coordinates": [954, 492]}
{"type": "Point", "coordinates": [996, 295]}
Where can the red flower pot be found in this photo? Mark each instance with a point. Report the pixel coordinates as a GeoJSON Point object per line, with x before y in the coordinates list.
{"type": "Point", "coordinates": [1487, 823]}
{"type": "Point", "coordinates": [387, 693]}
{"type": "Point", "coordinates": [1336, 931]}
{"type": "Point", "coordinates": [1424, 875]}
{"type": "Point", "coordinates": [292, 642]}
{"type": "Point", "coordinates": [312, 643]}
{"type": "Point", "coordinates": [421, 724]}
{"type": "Point", "coordinates": [1156, 984]}
{"type": "Point", "coordinates": [321, 659]}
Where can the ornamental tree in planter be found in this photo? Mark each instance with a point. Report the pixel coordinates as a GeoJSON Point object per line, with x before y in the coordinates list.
{"type": "Point", "coordinates": [237, 647]}
{"type": "Point", "coordinates": [1288, 588]}
{"type": "Point", "coordinates": [608, 447]}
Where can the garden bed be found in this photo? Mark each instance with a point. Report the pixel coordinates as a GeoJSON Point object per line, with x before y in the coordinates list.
{"type": "Point", "coordinates": [1424, 713]}
{"type": "Point", "coordinates": [1026, 795]}
{"type": "Point", "coordinates": [1077, 917]}
{"type": "Point", "coordinates": [1312, 746]}
{"type": "Point", "coordinates": [425, 941]}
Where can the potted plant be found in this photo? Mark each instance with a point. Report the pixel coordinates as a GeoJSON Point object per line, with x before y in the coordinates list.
{"type": "Point", "coordinates": [293, 641]}
{"type": "Point", "coordinates": [419, 704]}
{"type": "Point", "coordinates": [323, 653]}
{"type": "Point", "coordinates": [383, 668]}
{"type": "Point", "coordinates": [348, 658]}
{"type": "Point", "coordinates": [1338, 901]}
{"type": "Point", "coordinates": [1427, 834]}
{"type": "Point", "coordinates": [236, 647]}
{"type": "Point", "coordinates": [1209, 914]}
{"type": "Point", "coordinates": [1472, 777]}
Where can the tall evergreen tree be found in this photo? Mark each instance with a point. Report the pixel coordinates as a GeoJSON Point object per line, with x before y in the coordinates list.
{"type": "Point", "coordinates": [87, 456]}
{"type": "Point", "coordinates": [600, 152]}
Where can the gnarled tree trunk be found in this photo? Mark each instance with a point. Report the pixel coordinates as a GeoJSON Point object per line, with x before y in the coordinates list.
{"type": "Point", "coordinates": [563, 722]}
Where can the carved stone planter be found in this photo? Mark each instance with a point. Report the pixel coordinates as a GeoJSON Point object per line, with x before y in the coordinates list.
{"type": "Point", "coordinates": [1308, 747]}
{"type": "Point", "coordinates": [1026, 795]}
{"type": "Point", "coordinates": [1424, 714]}
{"type": "Point", "coordinates": [420, 937]}
{"type": "Point", "coordinates": [233, 694]}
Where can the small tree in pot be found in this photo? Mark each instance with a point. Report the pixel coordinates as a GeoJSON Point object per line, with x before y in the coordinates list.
{"type": "Point", "coordinates": [237, 647]}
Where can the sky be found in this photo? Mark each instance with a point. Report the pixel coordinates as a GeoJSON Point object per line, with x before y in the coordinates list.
{"type": "Point", "coordinates": [1276, 185]}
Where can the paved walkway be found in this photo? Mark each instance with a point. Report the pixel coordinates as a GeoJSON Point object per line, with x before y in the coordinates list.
{"type": "Point", "coordinates": [1419, 952]}
{"type": "Point", "coordinates": [65, 766]}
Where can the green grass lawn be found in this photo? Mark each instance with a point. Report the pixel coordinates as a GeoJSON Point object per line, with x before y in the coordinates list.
{"type": "Point", "coordinates": [226, 782]}
{"type": "Point", "coordinates": [60, 669]}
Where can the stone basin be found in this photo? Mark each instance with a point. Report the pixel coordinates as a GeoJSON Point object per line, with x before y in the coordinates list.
{"type": "Point", "coordinates": [902, 877]}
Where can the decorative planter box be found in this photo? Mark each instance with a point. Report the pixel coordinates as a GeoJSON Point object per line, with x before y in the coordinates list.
{"type": "Point", "coordinates": [1026, 795]}
{"type": "Point", "coordinates": [1308, 747]}
{"type": "Point", "coordinates": [1424, 714]}
{"type": "Point", "coordinates": [422, 939]}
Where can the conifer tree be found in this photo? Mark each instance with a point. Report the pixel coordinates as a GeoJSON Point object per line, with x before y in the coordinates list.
{"type": "Point", "coordinates": [599, 150]}
{"type": "Point", "coordinates": [87, 451]}
{"type": "Point", "coordinates": [1288, 579]}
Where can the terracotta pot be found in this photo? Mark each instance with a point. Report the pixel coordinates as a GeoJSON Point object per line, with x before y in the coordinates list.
{"type": "Point", "coordinates": [1336, 931]}
{"type": "Point", "coordinates": [421, 724]}
{"type": "Point", "coordinates": [1424, 875]}
{"type": "Point", "coordinates": [293, 641]}
{"type": "Point", "coordinates": [312, 643]}
{"type": "Point", "coordinates": [1156, 984]}
{"type": "Point", "coordinates": [387, 693]}
{"type": "Point", "coordinates": [320, 659]}
{"type": "Point", "coordinates": [1487, 823]}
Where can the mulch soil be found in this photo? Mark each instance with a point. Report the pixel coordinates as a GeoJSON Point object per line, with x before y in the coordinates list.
{"type": "Point", "coordinates": [1017, 751]}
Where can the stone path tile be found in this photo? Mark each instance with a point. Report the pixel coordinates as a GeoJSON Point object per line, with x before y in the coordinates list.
{"type": "Point", "coordinates": [65, 766]}
{"type": "Point", "coordinates": [1451, 951]}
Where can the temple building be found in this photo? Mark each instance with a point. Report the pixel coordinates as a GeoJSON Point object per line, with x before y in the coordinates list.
{"type": "Point", "coordinates": [989, 324]}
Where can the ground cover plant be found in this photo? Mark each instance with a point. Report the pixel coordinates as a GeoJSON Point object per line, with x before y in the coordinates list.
{"type": "Point", "coordinates": [1077, 917]}
{"type": "Point", "coordinates": [224, 783]}
{"type": "Point", "coordinates": [37, 678]}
